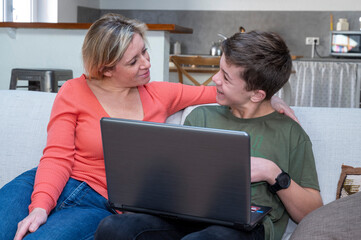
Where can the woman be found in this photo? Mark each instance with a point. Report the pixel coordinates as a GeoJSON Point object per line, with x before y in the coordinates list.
{"type": "Point", "coordinates": [66, 196]}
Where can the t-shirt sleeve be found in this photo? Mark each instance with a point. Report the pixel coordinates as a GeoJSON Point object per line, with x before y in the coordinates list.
{"type": "Point", "coordinates": [302, 165]}
{"type": "Point", "coordinates": [195, 118]}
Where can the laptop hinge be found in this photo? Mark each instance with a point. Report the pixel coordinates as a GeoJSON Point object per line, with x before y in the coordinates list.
{"type": "Point", "coordinates": [244, 226]}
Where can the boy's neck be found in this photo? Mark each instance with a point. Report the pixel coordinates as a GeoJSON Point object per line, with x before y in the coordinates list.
{"type": "Point", "coordinates": [253, 110]}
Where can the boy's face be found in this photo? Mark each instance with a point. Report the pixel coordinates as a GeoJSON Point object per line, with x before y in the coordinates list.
{"type": "Point", "coordinates": [231, 88]}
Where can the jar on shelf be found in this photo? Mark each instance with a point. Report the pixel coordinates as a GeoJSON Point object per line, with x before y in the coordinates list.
{"type": "Point", "coordinates": [342, 25]}
{"type": "Point", "coordinates": [177, 48]}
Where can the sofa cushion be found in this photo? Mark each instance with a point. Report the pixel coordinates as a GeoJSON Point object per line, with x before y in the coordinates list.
{"type": "Point", "coordinates": [335, 135]}
{"type": "Point", "coordinates": [23, 122]}
{"type": "Point", "coordinates": [338, 220]}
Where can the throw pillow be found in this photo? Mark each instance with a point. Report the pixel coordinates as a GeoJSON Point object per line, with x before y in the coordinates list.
{"type": "Point", "coordinates": [349, 182]}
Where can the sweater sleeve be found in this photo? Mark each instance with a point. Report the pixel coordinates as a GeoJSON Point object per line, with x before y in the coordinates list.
{"type": "Point", "coordinates": [56, 163]}
{"type": "Point", "coordinates": [177, 96]}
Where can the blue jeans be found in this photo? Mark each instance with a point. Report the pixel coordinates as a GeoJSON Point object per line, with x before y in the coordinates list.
{"type": "Point", "coordinates": [76, 216]}
{"type": "Point", "coordinates": [135, 226]}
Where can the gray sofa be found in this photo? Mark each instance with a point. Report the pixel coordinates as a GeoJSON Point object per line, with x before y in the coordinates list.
{"type": "Point", "coordinates": [335, 133]}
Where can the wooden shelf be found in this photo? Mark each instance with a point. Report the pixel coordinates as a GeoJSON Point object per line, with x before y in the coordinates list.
{"type": "Point", "coordinates": [172, 28]}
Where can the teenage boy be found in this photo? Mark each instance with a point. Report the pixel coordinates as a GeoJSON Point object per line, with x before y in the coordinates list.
{"type": "Point", "coordinates": [253, 67]}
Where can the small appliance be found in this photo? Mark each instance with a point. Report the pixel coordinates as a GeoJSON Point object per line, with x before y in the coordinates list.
{"type": "Point", "coordinates": [345, 44]}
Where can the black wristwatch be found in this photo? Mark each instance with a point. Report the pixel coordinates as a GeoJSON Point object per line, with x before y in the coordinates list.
{"type": "Point", "coordinates": [283, 181]}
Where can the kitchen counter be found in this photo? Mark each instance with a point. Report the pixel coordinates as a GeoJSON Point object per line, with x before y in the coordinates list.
{"type": "Point", "coordinates": [195, 69]}
{"type": "Point", "coordinates": [330, 59]}
{"type": "Point", "coordinates": [314, 82]}
{"type": "Point", "coordinates": [172, 28]}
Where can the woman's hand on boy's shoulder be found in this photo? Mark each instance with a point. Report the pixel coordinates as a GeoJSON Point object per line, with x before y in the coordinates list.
{"type": "Point", "coordinates": [280, 106]}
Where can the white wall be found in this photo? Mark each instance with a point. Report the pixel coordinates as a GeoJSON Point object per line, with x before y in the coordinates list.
{"type": "Point", "coordinates": [39, 48]}
{"type": "Point", "coordinates": [67, 9]}
{"type": "Point", "coordinates": [234, 5]}
{"type": "Point", "coordinates": [61, 48]}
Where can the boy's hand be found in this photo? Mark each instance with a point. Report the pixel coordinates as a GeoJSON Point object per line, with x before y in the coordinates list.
{"type": "Point", "coordinates": [264, 170]}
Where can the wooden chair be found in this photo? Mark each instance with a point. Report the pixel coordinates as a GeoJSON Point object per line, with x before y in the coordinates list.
{"type": "Point", "coordinates": [185, 64]}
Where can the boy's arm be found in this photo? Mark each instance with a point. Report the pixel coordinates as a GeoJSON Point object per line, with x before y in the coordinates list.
{"type": "Point", "coordinates": [299, 201]}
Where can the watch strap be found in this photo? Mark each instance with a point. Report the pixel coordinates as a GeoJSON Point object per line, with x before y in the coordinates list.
{"type": "Point", "coordinates": [276, 186]}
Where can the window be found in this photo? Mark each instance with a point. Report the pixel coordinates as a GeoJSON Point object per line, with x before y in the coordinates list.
{"type": "Point", "coordinates": [28, 10]}
{"type": "Point", "coordinates": [22, 11]}
{"type": "Point", "coordinates": [1, 11]}
{"type": "Point", "coordinates": [16, 10]}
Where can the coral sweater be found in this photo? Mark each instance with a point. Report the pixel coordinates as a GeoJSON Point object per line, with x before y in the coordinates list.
{"type": "Point", "coordinates": [74, 146]}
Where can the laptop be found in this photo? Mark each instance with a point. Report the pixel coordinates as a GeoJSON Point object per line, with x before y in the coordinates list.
{"type": "Point", "coordinates": [180, 172]}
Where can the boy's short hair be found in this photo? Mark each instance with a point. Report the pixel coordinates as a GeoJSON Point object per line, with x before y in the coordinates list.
{"type": "Point", "coordinates": [265, 58]}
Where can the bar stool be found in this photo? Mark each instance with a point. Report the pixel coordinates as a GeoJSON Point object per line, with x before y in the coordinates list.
{"type": "Point", "coordinates": [45, 80]}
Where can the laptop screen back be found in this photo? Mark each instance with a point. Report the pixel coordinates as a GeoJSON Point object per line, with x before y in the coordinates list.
{"type": "Point", "coordinates": [186, 172]}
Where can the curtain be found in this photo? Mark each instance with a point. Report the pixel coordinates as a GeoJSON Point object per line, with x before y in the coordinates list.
{"type": "Point", "coordinates": [323, 84]}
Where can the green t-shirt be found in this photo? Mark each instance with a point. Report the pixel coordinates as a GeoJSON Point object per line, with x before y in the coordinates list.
{"type": "Point", "coordinates": [275, 137]}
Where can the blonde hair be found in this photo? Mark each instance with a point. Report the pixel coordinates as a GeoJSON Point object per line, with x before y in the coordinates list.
{"type": "Point", "coordinates": [106, 41]}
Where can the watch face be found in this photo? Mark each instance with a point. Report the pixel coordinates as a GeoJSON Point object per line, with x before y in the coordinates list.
{"type": "Point", "coordinates": [284, 180]}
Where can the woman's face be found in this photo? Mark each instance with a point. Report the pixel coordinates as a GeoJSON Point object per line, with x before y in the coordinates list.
{"type": "Point", "coordinates": [133, 68]}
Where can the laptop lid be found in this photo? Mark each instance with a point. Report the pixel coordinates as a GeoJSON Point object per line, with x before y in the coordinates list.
{"type": "Point", "coordinates": [184, 172]}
